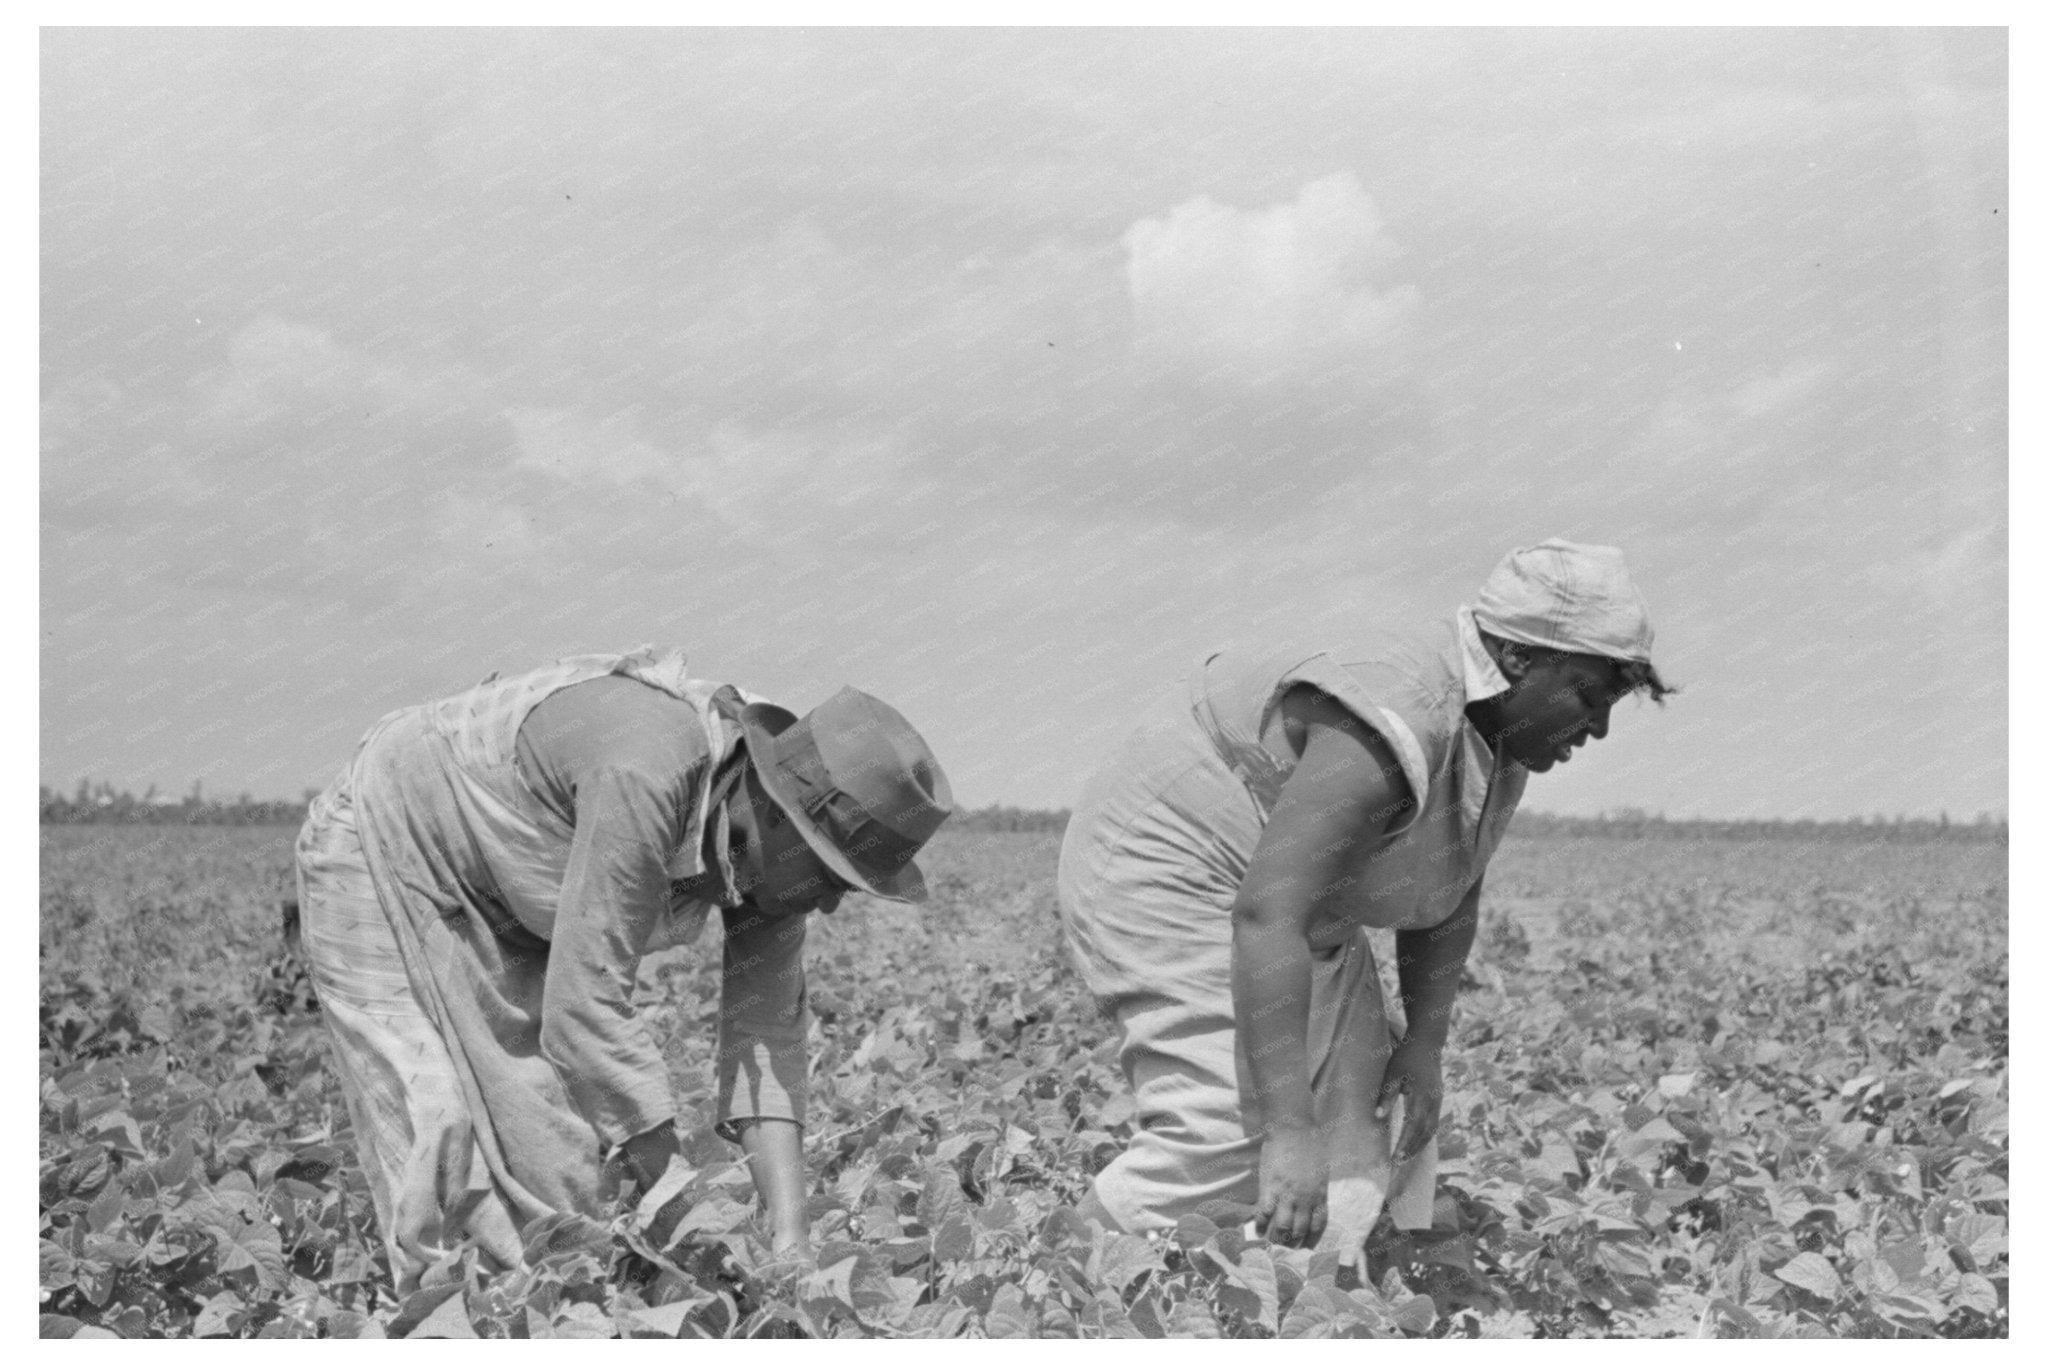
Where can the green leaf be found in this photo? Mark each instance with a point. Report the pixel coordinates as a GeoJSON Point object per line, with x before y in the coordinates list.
{"type": "Point", "coordinates": [106, 1207]}
{"type": "Point", "coordinates": [1904, 1306]}
{"type": "Point", "coordinates": [216, 1316]}
{"type": "Point", "coordinates": [1252, 1276]}
{"type": "Point", "coordinates": [1557, 1162]}
{"type": "Point", "coordinates": [1977, 1293]}
{"type": "Point", "coordinates": [1417, 1315]}
{"type": "Point", "coordinates": [1651, 1137]}
{"type": "Point", "coordinates": [872, 1288]}
{"type": "Point", "coordinates": [1105, 1315]}
{"type": "Point", "coordinates": [1119, 1108]}
{"type": "Point", "coordinates": [1626, 1260]}
{"type": "Point", "coordinates": [95, 1279]}
{"type": "Point", "coordinates": [998, 1215]}
{"type": "Point", "coordinates": [178, 1167]}
{"type": "Point", "coordinates": [714, 1215]}
{"type": "Point", "coordinates": [954, 1241]}
{"type": "Point", "coordinates": [352, 1265]}
{"type": "Point", "coordinates": [1145, 1314]}
{"type": "Point", "coordinates": [1192, 1318]}
{"type": "Point", "coordinates": [346, 1325]}
{"type": "Point", "coordinates": [828, 1287]}
{"type": "Point", "coordinates": [1812, 1273]}
{"type": "Point", "coordinates": [55, 1266]}
{"type": "Point", "coordinates": [1907, 1260]}
{"type": "Point", "coordinates": [674, 1177]}
{"type": "Point", "coordinates": [1124, 1258]}
{"type": "Point", "coordinates": [312, 1163]}
{"type": "Point", "coordinates": [1312, 1315]}
{"type": "Point", "coordinates": [668, 1319]}
{"type": "Point", "coordinates": [579, 1321]}
{"type": "Point", "coordinates": [1009, 1315]}
{"type": "Point", "coordinates": [1695, 1132]}
{"type": "Point", "coordinates": [254, 1249]}
{"type": "Point", "coordinates": [557, 1234]}
{"type": "Point", "coordinates": [1980, 1234]}
{"type": "Point", "coordinates": [89, 1169]}
{"type": "Point", "coordinates": [119, 1130]}
{"type": "Point", "coordinates": [449, 1321]}
{"type": "Point", "coordinates": [420, 1305]}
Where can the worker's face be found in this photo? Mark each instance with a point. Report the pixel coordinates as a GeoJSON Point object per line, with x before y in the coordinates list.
{"type": "Point", "coordinates": [1557, 703]}
{"type": "Point", "coordinates": [780, 872]}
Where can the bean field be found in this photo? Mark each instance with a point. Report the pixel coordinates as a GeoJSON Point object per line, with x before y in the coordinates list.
{"type": "Point", "coordinates": [1696, 1088]}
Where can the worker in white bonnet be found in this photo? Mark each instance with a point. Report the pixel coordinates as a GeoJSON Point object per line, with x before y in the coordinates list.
{"type": "Point", "coordinates": [1221, 869]}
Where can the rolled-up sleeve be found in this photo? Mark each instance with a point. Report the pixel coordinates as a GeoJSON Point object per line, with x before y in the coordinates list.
{"type": "Point", "coordinates": [613, 896]}
{"type": "Point", "coordinates": [763, 1019]}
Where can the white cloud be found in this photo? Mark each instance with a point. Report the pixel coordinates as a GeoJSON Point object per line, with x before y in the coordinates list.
{"type": "Point", "coordinates": [1962, 575]}
{"type": "Point", "coordinates": [564, 443]}
{"type": "Point", "coordinates": [1740, 454]}
{"type": "Point", "coordinates": [295, 465]}
{"type": "Point", "coordinates": [277, 366]}
{"type": "Point", "coordinates": [480, 530]}
{"type": "Point", "coordinates": [91, 468]}
{"type": "Point", "coordinates": [1256, 295]}
{"type": "Point", "coordinates": [771, 488]}
{"type": "Point", "coordinates": [1768, 393]}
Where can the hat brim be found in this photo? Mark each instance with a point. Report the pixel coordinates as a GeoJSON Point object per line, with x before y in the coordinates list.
{"type": "Point", "coordinates": [762, 722]}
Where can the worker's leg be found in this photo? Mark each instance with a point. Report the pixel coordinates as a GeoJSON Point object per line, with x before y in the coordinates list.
{"type": "Point", "coordinates": [1149, 869]}
{"type": "Point", "coordinates": [1190, 1146]}
{"type": "Point", "coordinates": [412, 1131]}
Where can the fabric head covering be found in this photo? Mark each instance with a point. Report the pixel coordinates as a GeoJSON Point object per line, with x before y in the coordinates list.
{"type": "Point", "coordinates": [1561, 595]}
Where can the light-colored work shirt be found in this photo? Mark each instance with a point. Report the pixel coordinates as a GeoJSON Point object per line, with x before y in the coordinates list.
{"type": "Point", "coordinates": [1412, 687]}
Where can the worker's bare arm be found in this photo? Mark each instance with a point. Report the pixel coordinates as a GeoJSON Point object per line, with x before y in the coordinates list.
{"type": "Point", "coordinates": [1338, 803]}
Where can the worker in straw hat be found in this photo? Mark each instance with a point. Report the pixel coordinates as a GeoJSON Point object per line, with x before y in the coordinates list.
{"type": "Point", "coordinates": [477, 889]}
{"type": "Point", "coordinates": [1221, 869]}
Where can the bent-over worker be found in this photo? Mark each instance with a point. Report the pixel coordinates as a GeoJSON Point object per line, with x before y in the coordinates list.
{"type": "Point", "coordinates": [1220, 871]}
{"type": "Point", "coordinates": [477, 889]}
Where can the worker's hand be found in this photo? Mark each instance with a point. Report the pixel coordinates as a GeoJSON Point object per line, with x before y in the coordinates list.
{"type": "Point", "coordinates": [1294, 1183]}
{"type": "Point", "coordinates": [1416, 1073]}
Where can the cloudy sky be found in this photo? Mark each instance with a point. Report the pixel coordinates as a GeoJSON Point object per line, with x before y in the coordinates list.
{"type": "Point", "coordinates": [1004, 373]}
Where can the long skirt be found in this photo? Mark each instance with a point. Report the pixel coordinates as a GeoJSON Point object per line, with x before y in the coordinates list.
{"type": "Point", "coordinates": [1150, 867]}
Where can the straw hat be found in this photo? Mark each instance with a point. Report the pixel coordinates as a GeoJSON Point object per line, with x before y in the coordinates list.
{"type": "Point", "coordinates": [861, 785]}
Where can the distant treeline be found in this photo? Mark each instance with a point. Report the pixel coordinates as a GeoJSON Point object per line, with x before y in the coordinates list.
{"type": "Point", "coordinates": [100, 804]}
{"type": "Point", "coordinates": [1009, 820]}
{"type": "Point", "coordinates": [1631, 825]}
{"type": "Point", "coordinates": [97, 803]}
{"type": "Point", "coordinates": [1620, 825]}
